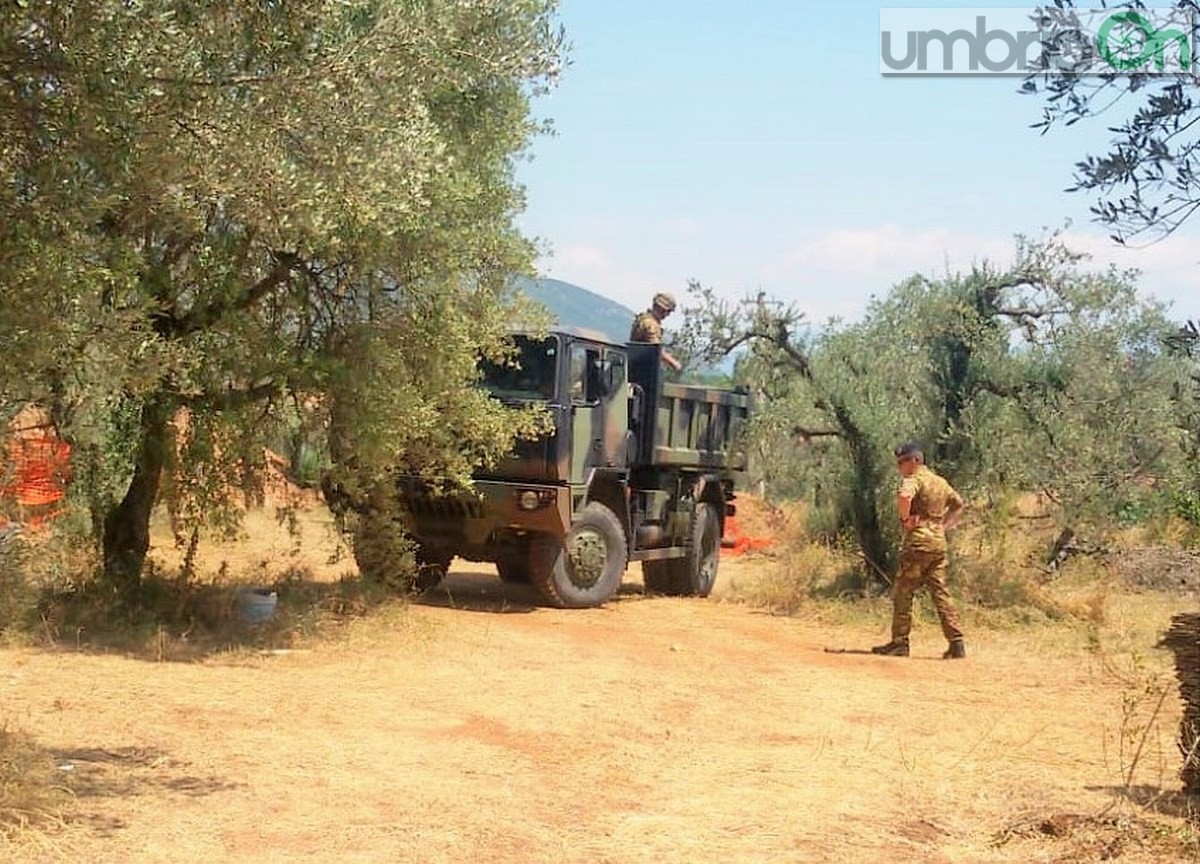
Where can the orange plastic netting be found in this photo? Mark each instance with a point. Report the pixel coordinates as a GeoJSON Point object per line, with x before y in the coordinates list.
{"type": "Point", "coordinates": [736, 543]}
{"type": "Point", "coordinates": [35, 474]}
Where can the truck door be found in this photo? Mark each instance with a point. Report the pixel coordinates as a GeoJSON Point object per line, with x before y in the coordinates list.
{"type": "Point", "coordinates": [587, 411]}
{"type": "Point", "coordinates": [614, 379]}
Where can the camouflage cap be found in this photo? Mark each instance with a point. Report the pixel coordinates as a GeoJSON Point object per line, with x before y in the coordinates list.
{"type": "Point", "coordinates": [909, 448]}
{"type": "Point", "coordinates": [664, 301]}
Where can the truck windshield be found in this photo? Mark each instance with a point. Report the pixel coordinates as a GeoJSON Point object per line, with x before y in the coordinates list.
{"type": "Point", "coordinates": [528, 375]}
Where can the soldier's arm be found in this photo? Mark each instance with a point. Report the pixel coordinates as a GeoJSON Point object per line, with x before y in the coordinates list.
{"type": "Point", "coordinates": [904, 505]}
{"type": "Point", "coordinates": [954, 511]}
{"type": "Point", "coordinates": [669, 359]}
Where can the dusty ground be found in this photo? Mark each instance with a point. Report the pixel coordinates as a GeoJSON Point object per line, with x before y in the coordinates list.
{"type": "Point", "coordinates": [479, 727]}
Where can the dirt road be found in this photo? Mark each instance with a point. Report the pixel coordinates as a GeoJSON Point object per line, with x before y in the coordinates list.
{"type": "Point", "coordinates": [477, 727]}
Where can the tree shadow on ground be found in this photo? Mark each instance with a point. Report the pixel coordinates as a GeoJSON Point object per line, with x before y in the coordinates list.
{"type": "Point", "coordinates": [481, 590]}
{"type": "Point", "coordinates": [1169, 802]}
{"type": "Point", "coordinates": [127, 772]}
{"type": "Point", "coordinates": [180, 621]}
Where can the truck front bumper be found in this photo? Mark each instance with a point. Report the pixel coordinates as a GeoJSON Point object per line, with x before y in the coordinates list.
{"type": "Point", "coordinates": [470, 523]}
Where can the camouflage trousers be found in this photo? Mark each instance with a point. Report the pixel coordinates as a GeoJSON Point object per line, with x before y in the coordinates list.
{"type": "Point", "coordinates": [922, 570]}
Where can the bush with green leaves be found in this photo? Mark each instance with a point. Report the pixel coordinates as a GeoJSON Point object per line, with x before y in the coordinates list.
{"type": "Point", "coordinates": [213, 211]}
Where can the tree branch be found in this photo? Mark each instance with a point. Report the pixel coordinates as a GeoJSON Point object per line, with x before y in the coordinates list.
{"type": "Point", "coordinates": [199, 319]}
{"type": "Point", "coordinates": [233, 397]}
{"type": "Point", "coordinates": [807, 435]}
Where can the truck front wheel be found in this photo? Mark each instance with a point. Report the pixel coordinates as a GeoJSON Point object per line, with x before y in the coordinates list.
{"type": "Point", "coordinates": [586, 567]}
{"type": "Point", "coordinates": [387, 554]}
{"type": "Point", "coordinates": [431, 569]}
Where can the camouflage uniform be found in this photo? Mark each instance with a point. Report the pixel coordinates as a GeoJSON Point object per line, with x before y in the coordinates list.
{"type": "Point", "coordinates": [646, 328]}
{"type": "Point", "coordinates": [923, 558]}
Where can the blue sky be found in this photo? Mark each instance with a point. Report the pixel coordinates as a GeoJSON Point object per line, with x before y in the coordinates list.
{"type": "Point", "coordinates": [756, 146]}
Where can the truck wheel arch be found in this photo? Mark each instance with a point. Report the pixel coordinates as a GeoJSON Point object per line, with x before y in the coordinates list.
{"type": "Point", "coordinates": [709, 490]}
{"type": "Point", "coordinates": [609, 488]}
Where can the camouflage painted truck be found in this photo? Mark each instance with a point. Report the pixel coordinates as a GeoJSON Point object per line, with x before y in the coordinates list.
{"type": "Point", "coordinates": [636, 469]}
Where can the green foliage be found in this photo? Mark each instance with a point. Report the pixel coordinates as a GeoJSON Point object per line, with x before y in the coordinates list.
{"type": "Point", "coordinates": [230, 209]}
{"type": "Point", "coordinates": [16, 594]}
{"type": "Point", "coordinates": [1040, 376]}
{"type": "Point", "coordinates": [1148, 183]}
{"type": "Point", "coordinates": [1186, 505]}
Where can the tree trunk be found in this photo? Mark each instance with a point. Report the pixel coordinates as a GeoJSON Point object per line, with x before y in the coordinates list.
{"type": "Point", "coordinates": [127, 525]}
{"type": "Point", "coordinates": [872, 543]}
{"type": "Point", "coordinates": [863, 499]}
{"type": "Point", "coordinates": [1063, 547]}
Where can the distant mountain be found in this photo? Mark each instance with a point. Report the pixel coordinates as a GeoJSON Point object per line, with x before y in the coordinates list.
{"type": "Point", "coordinates": [578, 307]}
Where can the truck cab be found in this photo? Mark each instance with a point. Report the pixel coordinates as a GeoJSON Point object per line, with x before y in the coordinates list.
{"type": "Point", "coordinates": [633, 468]}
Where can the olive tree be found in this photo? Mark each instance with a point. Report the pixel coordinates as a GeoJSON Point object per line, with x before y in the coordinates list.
{"type": "Point", "coordinates": [217, 208]}
{"type": "Point", "coordinates": [1148, 183]}
{"type": "Point", "coordinates": [1039, 375]}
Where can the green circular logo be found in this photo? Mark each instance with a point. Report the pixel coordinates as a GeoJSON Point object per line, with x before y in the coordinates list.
{"type": "Point", "coordinates": [1135, 43]}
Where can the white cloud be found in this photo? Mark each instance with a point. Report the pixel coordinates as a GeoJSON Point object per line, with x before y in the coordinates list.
{"type": "Point", "coordinates": [834, 272]}
{"type": "Point", "coordinates": [600, 270]}
{"type": "Point", "coordinates": [1170, 269]}
{"type": "Point", "coordinates": [883, 255]}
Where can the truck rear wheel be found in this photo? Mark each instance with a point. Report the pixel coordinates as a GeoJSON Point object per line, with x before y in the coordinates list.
{"type": "Point", "coordinates": [695, 574]}
{"type": "Point", "coordinates": [586, 567]}
{"type": "Point", "coordinates": [704, 552]}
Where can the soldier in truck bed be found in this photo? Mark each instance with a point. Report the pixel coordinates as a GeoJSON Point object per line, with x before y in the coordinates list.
{"type": "Point", "coordinates": [647, 327]}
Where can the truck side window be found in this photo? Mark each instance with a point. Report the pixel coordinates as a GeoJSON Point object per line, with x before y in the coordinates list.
{"type": "Point", "coordinates": [578, 373]}
{"type": "Point", "coordinates": [585, 374]}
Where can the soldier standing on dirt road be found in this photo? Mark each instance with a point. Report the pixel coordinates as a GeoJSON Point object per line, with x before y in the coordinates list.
{"type": "Point", "coordinates": [647, 327]}
{"type": "Point", "coordinates": [928, 506]}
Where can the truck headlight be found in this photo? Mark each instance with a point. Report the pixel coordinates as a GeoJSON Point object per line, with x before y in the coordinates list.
{"type": "Point", "coordinates": [529, 500]}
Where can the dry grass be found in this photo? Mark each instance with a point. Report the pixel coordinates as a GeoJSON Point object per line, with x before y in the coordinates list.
{"type": "Point", "coordinates": [996, 573]}
{"type": "Point", "coordinates": [32, 793]}
{"type": "Point", "coordinates": [787, 577]}
{"type": "Point", "coordinates": [783, 582]}
{"type": "Point", "coordinates": [692, 730]}
{"type": "Point", "coordinates": [187, 604]}
{"type": "Point", "coordinates": [475, 725]}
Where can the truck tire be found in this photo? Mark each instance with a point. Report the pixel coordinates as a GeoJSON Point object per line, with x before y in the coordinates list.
{"type": "Point", "coordinates": [586, 567]}
{"type": "Point", "coordinates": [695, 574]}
{"type": "Point", "coordinates": [431, 570]}
{"type": "Point", "coordinates": [704, 552]}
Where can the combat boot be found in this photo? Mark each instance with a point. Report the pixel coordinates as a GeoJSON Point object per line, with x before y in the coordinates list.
{"type": "Point", "coordinates": [956, 651]}
{"type": "Point", "coordinates": [895, 648]}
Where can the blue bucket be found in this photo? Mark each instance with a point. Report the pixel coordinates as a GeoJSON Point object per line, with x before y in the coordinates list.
{"type": "Point", "coordinates": [257, 605]}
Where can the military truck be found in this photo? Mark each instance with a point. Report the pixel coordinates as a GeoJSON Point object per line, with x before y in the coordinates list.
{"type": "Point", "coordinates": [636, 468]}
